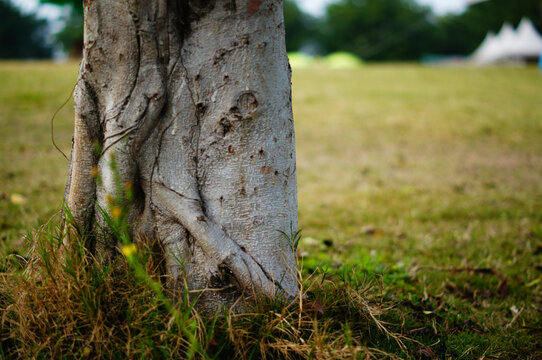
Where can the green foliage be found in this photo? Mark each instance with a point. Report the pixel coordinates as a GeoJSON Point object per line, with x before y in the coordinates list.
{"type": "Point", "coordinates": [342, 60]}
{"type": "Point", "coordinates": [378, 29]}
{"type": "Point", "coordinates": [300, 27]}
{"type": "Point", "coordinates": [371, 29]}
{"type": "Point", "coordinates": [293, 237]}
{"type": "Point", "coordinates": [403, 30]}
{"type": "Point", "coordinates": [300, 60]}
{"type": "Point", "coordinates": [21, 36]}
{"type": "Point", "coordinates": [75, 4]}
{"type": "Point", "coordinates": [71, 36]}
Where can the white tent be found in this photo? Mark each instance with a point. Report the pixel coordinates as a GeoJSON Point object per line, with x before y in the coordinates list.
{"type": "Point", "coordinates": [529, 41]}
{"type": "Point", "coordinates": [486, 50]}
{"type": "Point", "coordinates": [522, 44]}
{"type": "Point", "coordinates": [507, 39]}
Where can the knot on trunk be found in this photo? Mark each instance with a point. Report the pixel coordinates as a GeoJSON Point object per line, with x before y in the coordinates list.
{"type": "Point", "coordinates": [245, 106]}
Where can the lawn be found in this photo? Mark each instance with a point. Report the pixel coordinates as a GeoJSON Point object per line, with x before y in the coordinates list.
{"type": "Point", "coordinates": [424, 181]}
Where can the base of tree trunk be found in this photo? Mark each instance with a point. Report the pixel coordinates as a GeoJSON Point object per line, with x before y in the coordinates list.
{"type": "Point", "coordinates": [186, 107]}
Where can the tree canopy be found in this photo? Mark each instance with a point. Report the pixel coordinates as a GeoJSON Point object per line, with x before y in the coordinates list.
{"type": "Point", "coordinates": [378, 29]}
{"type": "Point", "coordinates": [373, 29]}
{"type": "Point", "coordinates": [300, 27]}
{"type": "Point", "coordinates": [21, 35]}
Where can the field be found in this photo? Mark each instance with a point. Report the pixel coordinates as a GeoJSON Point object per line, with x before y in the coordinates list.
{"type": "Point", "coordinates": [426, 182]}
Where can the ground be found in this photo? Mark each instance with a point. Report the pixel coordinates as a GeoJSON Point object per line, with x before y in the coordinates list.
{"type": "Point", "coordinates": [425, 181]}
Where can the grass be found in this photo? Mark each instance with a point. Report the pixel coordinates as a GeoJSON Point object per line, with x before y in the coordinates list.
{"type": "Point", "coordinates": [420, 198]}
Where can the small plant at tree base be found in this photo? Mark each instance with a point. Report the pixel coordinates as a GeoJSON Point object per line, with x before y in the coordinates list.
{"type": "Point", "coordinates": [293, 237]}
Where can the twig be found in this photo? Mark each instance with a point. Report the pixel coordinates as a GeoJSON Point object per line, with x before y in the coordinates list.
{"type": "Point", "coordinates": [53, 119]}
{"type": "Point", "coordinates": [516, 316]}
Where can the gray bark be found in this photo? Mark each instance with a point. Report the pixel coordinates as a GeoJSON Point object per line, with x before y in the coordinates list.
{"type": "Point", "coordinates": [192, 100]}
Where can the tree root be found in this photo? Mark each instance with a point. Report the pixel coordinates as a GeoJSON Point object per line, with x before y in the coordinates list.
{"type": "Point", "coordinates": [216, 244]}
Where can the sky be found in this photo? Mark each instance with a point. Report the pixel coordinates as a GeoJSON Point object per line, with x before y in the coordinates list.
{"type": "Point", "coordinates": [315, 7]}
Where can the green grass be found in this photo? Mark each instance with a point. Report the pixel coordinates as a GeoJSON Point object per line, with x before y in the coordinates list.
{"type": "Point", "coordinates": [426, 181]}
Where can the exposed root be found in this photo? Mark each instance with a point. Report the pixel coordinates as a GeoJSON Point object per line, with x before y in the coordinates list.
{"type": "Point", "coordinates": [216, 244]}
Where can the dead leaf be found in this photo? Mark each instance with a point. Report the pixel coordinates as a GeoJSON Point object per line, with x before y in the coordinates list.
{"type": "Point", "coordinates": [368, 230]}
{"type": "Point", "coordinates": [426, 352]}
{"type": "Point", "coordinates": [18, 199]}
{"type": "Point", "coordinates": [309, 241]}
{"type": "Point", "coordinates": [516, 313]}
{"type": "Point", "coordinates": [19, 243]}
{"type": "Point", "coordinates": [86, 351]}
{"type": "Point", "coordinates": [318, 306]}
{"type": "Point", "coordinates": [502, 289]}
{"type": "Point", "coordinates": [315, 306]}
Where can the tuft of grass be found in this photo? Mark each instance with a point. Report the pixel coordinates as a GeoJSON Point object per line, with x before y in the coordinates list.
{"type": "Point", "coordinates": [61, 303]}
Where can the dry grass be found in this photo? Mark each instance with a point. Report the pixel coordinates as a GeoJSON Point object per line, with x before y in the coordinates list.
{"type": "Point", "coordinates": [60, 303]}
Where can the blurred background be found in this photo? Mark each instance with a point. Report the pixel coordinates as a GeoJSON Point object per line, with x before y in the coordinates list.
{"type": "Point", "coordinates": [368, 30]}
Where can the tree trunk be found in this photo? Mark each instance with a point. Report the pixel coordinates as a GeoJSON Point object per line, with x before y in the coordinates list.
{"type": "Point", "coordinates": [191, 99]}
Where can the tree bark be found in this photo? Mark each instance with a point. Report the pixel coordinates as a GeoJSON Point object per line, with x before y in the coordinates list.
{"type": "Point", "coordinates": [192, 101]}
